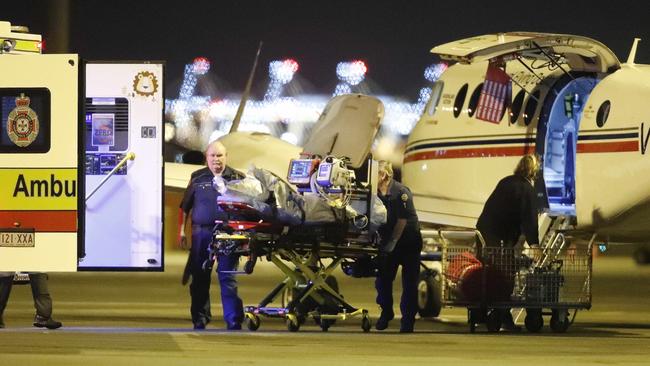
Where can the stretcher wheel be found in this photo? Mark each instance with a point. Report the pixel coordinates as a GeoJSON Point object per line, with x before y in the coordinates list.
{"type": "Point", "coordinates": [559, 323]}
{"type": "Point", "coordinates": [293, 324]}
{"type": "Point", "coordinates": [252, 322]}
{"type": "Point", "coordinates": [493, 321]}
{"type": "Point", "coordinates": [325, 324]}
{"type": "Point", "coordinates": [365, 324]}
{"type": "Point", "coordinates": [534, 320]}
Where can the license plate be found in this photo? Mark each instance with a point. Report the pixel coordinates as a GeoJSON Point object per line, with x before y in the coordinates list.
{"type": "Point", "coordinates": [17, 239]}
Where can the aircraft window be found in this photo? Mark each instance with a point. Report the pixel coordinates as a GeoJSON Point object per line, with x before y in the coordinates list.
{"type": "Point", "coordinates": [25, 124]}
{"type": "Point", "coordinates": [436, 92]}
{"type": "Point", "coordinates": [460, 100]}
{"type": "Point", "coordinates": [603, 113]}
{"type": "Point", "coordinates": [473, 100]}
{"type": "Point", "coordinates": [531, 106]}
{"type": "Point", "coordinates": [516, 106]}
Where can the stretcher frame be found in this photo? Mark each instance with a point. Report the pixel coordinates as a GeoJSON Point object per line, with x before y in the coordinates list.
{"type": "Point", "coordinates": [315, 297]}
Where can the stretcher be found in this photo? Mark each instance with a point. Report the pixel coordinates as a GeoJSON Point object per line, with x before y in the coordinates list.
{"type": "Point", "coordinates": [324, 215]}
{"type": "Point", "coordinates": [309, 290]}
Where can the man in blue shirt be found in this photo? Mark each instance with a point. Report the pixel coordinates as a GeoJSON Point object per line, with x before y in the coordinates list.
{"type": "Point", "coordinates": [201, 200]}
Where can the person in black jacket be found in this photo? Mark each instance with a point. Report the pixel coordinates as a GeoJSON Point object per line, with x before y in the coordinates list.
{"type": "Point", "coordinates": [201, 199]}
{"type": "Point", "coordinates": [401, 244]}
{"type": "Point", "coordinates": [509, 212]}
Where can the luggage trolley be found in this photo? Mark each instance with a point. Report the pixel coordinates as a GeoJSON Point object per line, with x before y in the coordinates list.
{"type": "Point", "coordinates": [550, 280]}
{"type": "Point", "coordinates": [309, 288]}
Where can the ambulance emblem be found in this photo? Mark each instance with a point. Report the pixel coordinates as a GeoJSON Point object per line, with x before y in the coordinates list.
{"type": "Point", "coordinates": [22, 123]}
{"type": "Point", "coordinates": [405, 197]}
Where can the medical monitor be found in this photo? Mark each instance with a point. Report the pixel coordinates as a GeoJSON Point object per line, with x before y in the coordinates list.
{"type": "Point", "coordinates": [300, 171]}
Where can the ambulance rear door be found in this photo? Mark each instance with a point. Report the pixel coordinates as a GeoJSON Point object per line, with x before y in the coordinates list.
{"type": "Point", "coordinates": [39, 154]}
{"type": "Point", "coordinates": [123, 166]}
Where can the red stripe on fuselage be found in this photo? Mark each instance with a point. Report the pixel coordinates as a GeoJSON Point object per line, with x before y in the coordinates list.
{"type": "Point", "coordinates": [604, 147]}
{"type": "Point", "coordinates": [40, 221]}
{"type": "Point", "coordinates": [480, 152]}
{"type": "Point", "coordinates": [488, 152]}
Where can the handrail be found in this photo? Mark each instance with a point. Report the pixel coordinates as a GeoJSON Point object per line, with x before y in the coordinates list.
{"type": "Point", "coordinates": [129, 156]}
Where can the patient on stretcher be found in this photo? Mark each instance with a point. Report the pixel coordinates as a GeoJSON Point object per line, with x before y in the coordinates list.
{"type": "Point", "coordinates": [276, 200]}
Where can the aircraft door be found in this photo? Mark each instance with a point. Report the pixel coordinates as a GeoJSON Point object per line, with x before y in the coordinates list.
{"type": "Point", "coordinates": [559, 144]}
{"type": "Point", "coordinates": [123, 166]}
{"type": "Point", "coordinates": [39, 147]}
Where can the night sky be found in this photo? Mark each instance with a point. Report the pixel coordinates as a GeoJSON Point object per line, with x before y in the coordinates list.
{"type": "Point", "coordinates": [394, 38]}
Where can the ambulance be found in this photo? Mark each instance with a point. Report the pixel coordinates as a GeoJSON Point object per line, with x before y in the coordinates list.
{"type": "Point", "coordinates": [81, 161]}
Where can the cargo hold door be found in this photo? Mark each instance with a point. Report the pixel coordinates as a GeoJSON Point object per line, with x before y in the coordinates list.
{"type": "Point", "coordinates": [39, 146]}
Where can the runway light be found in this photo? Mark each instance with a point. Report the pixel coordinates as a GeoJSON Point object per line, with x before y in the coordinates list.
{"type": "Point", "coordinates": [433, 72]}
{"type": "Point", "coordinates": [283, 71]}
{"type": "Point", "coordinates": [201, 66]}
{"type": "Point", "coordinates": [351, 72]}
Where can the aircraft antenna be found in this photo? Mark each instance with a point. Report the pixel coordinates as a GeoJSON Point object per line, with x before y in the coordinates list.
{"type": "Point", "coordinates": [632, 55]}
{"type": "Point", "coordinates": [247, 91]}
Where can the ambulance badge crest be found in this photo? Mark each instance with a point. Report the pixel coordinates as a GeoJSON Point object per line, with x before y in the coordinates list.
{"type": "Point", "coordinates": [22, 123]}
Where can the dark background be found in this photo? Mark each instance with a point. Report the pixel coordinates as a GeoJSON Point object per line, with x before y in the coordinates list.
{"type": "Point", "coordinates": [394, 38]}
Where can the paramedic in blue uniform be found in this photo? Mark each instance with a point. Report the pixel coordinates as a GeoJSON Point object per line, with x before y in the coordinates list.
{"type": "Point", "coordinates": [201, 200]}
{"type": "Point", "coordinates": [509, 212]}
{"type": "Point", "coordinates": [401, 244]}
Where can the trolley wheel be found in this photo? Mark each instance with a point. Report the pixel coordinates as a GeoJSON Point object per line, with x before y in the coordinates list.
{"type": "Point", "coordinates": [559, 323]}
{"type": "Point", "coordinates": [252, 322]}
{"type": "Point", "coordinates": [325, 324]}
{"type": "Point", "coordinates": [293, 323]}
{"type": "Point", "coordinates": [534, 321]}
{"type": "Point", "coordinates": [429, 294]}
{"type": "Point", "coordinates": [493, 321]}
{"type": "Point", "coordinates": [365, 324]}
{"type": "Point", "coordinates": [471, 319]}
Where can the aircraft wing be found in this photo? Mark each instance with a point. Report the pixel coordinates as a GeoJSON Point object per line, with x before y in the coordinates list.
{"type": "Point", "coordinates": [177, 176]}
{"type": "Point", "coordinates": [581, 53]}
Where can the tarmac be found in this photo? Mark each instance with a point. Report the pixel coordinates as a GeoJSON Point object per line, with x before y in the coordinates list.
{"type": "Point", "coordinates": [122, 318]}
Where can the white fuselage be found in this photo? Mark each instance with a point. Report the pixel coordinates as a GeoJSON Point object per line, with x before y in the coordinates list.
{"type": "Point", "coordinates": [598, 173]}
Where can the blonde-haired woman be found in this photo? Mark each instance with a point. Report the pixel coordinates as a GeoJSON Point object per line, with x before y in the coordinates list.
{"type": "Point", "coordinates": [401, 244]}
{"type": "Point", "coordinates": [511, 211]}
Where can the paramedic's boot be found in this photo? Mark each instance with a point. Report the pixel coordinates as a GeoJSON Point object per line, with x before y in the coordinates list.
{"type": "Point", "coordinates": [43, 322]}
{"type": "Point", "coordinates": [2, 323]}
{"type": "Point", "coordinates": [384, 319]}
